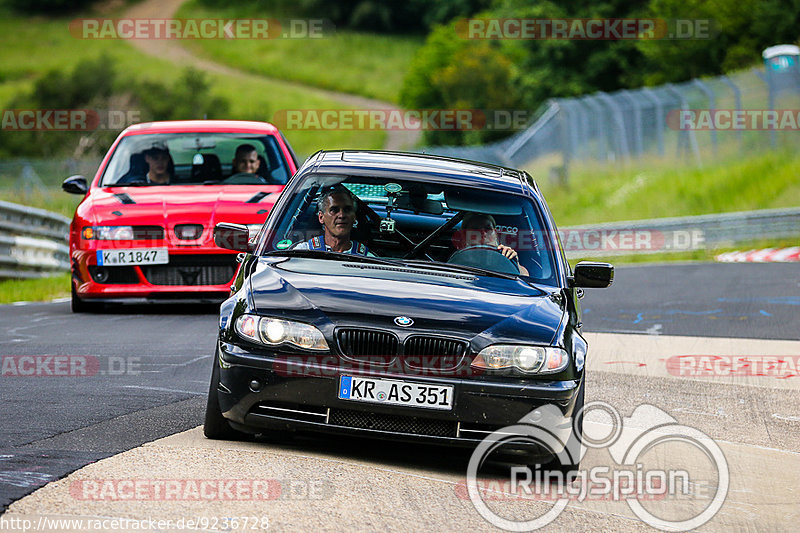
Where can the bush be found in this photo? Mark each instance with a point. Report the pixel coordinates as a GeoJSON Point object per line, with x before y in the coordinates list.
{"type": "Point", "coordinates": [188, 98]}
{"type": "Point", "coordinates": [451, 73]}
{"type": "Point", "coordinates": [95, 85]}
{"type": "Point", "coordinates": [401, 16]}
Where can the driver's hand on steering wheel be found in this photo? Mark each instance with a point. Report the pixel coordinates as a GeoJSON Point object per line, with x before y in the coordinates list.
{"type": "Point", "coordinates": [507, 251]}
{"type": "Point", "coordinates": [511, 254]}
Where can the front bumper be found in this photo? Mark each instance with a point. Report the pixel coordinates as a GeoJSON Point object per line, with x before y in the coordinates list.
{"type": "Point", "coordinates": [256, 393]}
{"type": "Point", "coordinates": [191, 276]}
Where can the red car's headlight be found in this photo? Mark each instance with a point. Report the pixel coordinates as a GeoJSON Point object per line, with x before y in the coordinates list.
{"type": "Point", "coordinates": [108, 233]}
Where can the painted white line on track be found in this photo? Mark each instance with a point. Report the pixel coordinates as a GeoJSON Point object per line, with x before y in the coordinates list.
{"type": "Point", "coordinates": [786, 417]}
{"type": "Point", "coordinates": [162, 389]}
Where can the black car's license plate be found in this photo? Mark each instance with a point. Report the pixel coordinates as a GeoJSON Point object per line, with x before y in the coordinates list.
{"type": "Point", "coordinates": [393, 392]}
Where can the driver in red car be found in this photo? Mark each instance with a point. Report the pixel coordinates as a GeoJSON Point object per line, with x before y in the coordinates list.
{"type": "Point", "coordinates": [337, 214]}
{"type": "Point", "coordinates": [158, 161]}
{"type": "Point", "coordinates": [479, 229]}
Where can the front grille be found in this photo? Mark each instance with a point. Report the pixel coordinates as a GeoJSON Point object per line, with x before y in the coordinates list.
{"type": "Point", "coordinates": [150, 233]}
{"type": "Point", "coordinates": [392, 423]}
{"type": "Point", "coordinates": [368, 345]}
{"type": "Point", "coordinates": [192, 270]}
{"type": "Point", "coordinates": [419, 351]}
{"type": "Point", "coordinates": [434, 352]}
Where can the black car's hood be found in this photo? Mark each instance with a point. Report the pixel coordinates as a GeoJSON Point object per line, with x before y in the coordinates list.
{"type": "Point", "coordinates": [321, 291]}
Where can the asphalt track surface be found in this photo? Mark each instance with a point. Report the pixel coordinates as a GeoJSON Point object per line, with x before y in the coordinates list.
{"type": "Point", "coordinates": [151, 367]}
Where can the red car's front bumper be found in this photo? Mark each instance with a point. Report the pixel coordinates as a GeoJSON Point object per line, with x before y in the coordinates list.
{"type": "Point", "coordinates": [190, 274]}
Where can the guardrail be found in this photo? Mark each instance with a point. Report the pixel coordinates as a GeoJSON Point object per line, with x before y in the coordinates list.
{"type": "Point", "coordinates": [680, 234]}
{"type": "Point", "coordinates": [33, 242]}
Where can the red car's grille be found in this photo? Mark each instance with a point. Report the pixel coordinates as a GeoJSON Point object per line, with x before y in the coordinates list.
{"type": "Point", "coordinates": [192, 270]}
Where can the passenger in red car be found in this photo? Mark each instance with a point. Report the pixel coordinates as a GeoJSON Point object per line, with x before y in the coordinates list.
{"type": "Point", "coordinates": [158, 160]}
{"type": "Point", "coordinates": [246, 161]}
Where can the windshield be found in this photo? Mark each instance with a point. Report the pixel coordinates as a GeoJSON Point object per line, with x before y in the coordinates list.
{"type": "Point", "coordinates": [419, 224]}
{"type": "Point", "coordinates": [196, 159]}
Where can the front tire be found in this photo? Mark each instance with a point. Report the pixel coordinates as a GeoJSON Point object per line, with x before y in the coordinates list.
{"type": "Point", "coordinates": [217, 426]}
{"type": "Point", "coordinates": [575, 441]}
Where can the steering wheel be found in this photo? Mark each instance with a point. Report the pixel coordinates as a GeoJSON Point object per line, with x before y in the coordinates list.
{"type": "Point", "coordinates": [486, 257]}
{"type": "Point", "coordinates": [245, 178]}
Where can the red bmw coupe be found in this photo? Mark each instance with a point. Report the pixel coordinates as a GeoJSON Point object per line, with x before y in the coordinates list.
{"type": "Point", "coordinates": [144, 230]}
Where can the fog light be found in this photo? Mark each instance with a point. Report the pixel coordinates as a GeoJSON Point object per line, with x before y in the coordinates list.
{"type": "Point", "coordinates": [101, 275]}
{"type": "Point", "coordinates": [255, 385]}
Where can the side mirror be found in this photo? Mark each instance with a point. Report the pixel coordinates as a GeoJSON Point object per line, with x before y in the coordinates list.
{"type": "Point", "coordinates": [232, 237]}
{"type": "Point", "coordinates": [75, 185]}
{"type": "Point", "coordinates": [592, 275]}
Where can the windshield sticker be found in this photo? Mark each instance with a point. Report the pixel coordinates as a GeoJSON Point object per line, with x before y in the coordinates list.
{"type": "Point", "coordinates": [284, 244]}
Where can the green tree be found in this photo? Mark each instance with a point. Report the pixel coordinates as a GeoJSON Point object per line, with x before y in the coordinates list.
{"type": "Point", "coordinates": [740, 30]}
{"type": "Point", "coordinates": [188, 98]}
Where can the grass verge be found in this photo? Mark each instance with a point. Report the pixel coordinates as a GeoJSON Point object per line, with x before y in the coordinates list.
{"type": "Point", "coordinates": [666, 188]}
{"type": "Point", "coordinates": [34, 290]}
{"type": "Point", "coordinates": [34, 45]}
{"type": "Point", "coordinates": [360, 63]}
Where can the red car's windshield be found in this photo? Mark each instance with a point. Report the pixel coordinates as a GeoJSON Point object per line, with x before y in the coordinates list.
{"type": "Point", "coordinates": [197, 159]}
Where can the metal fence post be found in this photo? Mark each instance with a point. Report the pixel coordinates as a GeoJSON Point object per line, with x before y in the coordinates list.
{"type": "Point", "coordinates": [621, 140]}
{"type": "Point", "coordinates": [737, 97]}
{"type": "Point", "coordinates": [711, 107]}
{"type": "Point", "coordinates": [637, 122]}
{"type": "Point", "coordinates": [659, 110]}
{"type": "Point", "coordinates": [770, 101]}
{"type": "Point", "coordinates": [602, 140]}
{"type": "Point", "coordinates": [687, 136]}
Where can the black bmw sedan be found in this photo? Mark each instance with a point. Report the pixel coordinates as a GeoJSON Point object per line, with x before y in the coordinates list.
{"type": "Point", "coordinates": [399, 296]}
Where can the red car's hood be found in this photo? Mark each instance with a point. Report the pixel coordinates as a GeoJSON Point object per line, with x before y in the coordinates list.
{"type": "Point", "coordinates": [183, 204]}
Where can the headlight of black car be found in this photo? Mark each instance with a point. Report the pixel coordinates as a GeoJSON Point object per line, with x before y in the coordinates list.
{"type": "Point", "coordinates": [274, 332]}
{"type": "Point", "coordinates": [527, 359]}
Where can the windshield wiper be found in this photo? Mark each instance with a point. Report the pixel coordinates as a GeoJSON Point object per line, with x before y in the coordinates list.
{"type": "Point", "coordinates": [337, 256]}
{"type": "Point", "coordinates": [462, 268]}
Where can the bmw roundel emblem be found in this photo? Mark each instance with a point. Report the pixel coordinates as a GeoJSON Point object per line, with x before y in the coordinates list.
{"type": "Point", "coordinates": [403, 321]}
